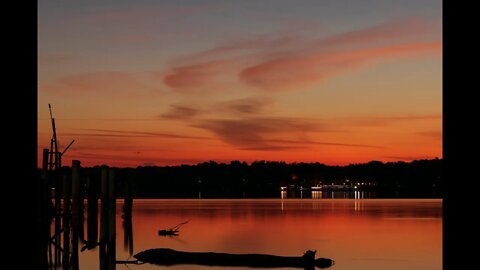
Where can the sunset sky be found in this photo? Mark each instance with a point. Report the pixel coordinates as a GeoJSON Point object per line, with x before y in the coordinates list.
{"type": "Point", "coordinates": [141, 82]}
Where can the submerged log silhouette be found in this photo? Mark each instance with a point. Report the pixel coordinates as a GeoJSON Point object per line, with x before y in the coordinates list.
{"type": "Point", "coordinates": [166, 256]}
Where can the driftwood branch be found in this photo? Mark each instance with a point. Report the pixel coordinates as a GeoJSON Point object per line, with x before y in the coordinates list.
{"type": "Point", "coordinates": [172, 231]}
{"type": "Point", "coordinates": [179, 225]}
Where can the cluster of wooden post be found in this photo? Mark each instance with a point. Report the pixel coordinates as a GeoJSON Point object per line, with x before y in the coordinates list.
{"type": "Point", "coordinates": [62, 252]}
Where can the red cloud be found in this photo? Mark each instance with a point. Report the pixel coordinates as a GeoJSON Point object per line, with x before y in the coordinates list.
{"type": "Point", "coordinates": [388, 31]}
{"type": "Point", "coordinates": [299, 71]}
{"type": "Point", "coordinates": [181, 112]}
{"type": "Point", "coordinates": [197, 76]}
{"type": "Point", "coordinates": [253, 132]}
{"type": "Point", "coordinates": [289, 62]}
{"type": "Point", "coordinates": [266, 43]}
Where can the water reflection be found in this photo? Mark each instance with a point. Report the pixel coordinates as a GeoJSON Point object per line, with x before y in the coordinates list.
{"type": "Point", "coordinates": [68, 222]}
{"type": "Point", "coordinates": [336, 228]}
{"type": "Point", "coordinates": [284, 227]}
{"type": "Point", "coordinates": [319, 194]}
{"type": "Point", "coordinates": [127, 220]}
{"type": "Point", "coordinates": [358, 200]}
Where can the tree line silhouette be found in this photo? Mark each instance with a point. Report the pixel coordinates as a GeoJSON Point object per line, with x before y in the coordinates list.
{"type": "Point", "coordinates": [418, 178]}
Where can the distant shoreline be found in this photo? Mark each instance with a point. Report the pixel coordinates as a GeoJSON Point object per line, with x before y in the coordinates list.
{"type": "Point", "coordinates": [338, 197]}
{"type": "Point", "coordinates": [270, 179]}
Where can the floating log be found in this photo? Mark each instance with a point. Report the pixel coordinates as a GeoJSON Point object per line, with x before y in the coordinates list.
{"type": "Point", "coordinates": [166, 256]}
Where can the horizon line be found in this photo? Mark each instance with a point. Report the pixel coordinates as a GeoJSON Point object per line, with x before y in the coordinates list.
{"type": "Point", "coordinates": [266, 161]}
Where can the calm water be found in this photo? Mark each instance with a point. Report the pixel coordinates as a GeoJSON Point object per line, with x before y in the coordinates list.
{"type": "Point", "coordinates": [357, 233]}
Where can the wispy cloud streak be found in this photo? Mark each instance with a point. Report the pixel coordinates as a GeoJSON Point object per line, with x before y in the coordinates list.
{"type": "Point", "coordinates": [300, 71]}
{"type": "Point", "coordinates": [180, 112]}
{"type": "Point", "coordinates": [289, 62]}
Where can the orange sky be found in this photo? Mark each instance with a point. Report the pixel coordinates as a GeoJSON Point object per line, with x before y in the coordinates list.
{"type": "Point", "coordinates": [151, 83]}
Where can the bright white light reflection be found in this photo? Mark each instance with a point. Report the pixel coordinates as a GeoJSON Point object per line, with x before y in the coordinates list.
{"type": "Point", "coordinates": [316, 194]}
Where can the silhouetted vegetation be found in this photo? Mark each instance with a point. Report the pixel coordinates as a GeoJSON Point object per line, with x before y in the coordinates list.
{"type": "Point", "coordinates": [419, 178]}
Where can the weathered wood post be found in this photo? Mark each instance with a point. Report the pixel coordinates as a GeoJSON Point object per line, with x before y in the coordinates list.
{"type": "Point", "coordinates": [92, 211]}
{"type": "Point", "coordinates": [111, 244]}
{"type": "Point", "coordinates": [81, 209]}
{"type": "Point", "coordinates": [67, 191]}
{"type": "Point", "coordinates": [107, 220]}
{"type": "Point", "coordinates": [103, 217]}
{"type": "Point", "coordinates": [57, 215]}
{"type": "Point", "coordinates": [76, 201]}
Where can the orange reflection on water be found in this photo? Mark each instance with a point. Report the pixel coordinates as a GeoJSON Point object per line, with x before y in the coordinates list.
{"type": "Point", "coordinates": [356, 233]}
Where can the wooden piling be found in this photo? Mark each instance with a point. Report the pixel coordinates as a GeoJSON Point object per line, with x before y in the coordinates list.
{"type": "Point", "coordinates": [104, 204]}
{"type": "Point", "coordinates": [76, 201]}
{"type": "Point", "coordinates": [81, 210]}
{"type": "Point", "coordinates": [103, 217]}
{"type": "Point", "coordinates": [57, 215]}
{"type": "Point", "coordinates": [67, 190]}
{"type": "Point", "coordinates": [111, 244]}
{"type": "Point", "coordinates": [92, 210]}
{"type": "Point", "coordinates": [107, 220]}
